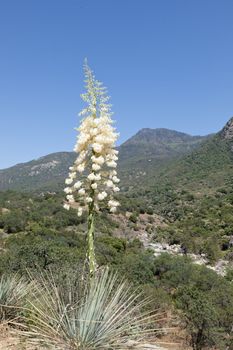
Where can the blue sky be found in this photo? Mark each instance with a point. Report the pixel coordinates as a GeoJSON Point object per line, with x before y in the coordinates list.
{"type": "Point", "coordinates": [166, 63]}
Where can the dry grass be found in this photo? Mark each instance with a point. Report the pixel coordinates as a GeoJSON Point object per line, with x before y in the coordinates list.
{"type": "Point", "coordinates": [9, 341]}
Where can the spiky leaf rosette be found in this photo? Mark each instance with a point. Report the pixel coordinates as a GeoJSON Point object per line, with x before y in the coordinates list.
{"type": "Point", "coordinates": [93, 177]}
{"type": "Point", "coordinates": [13, 293]}
{"type": "Point", "coordinates": [104, 315]}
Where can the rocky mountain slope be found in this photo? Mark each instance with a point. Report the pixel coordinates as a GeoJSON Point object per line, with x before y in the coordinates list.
{"type": "Point", "coordinates": [44, 173]}
{"type": "Point", "coordinates": [159, 144]}
{"type": "Point", "coordinates": [194, 195]}
{"type": "Point", "coordinates": [204, 169]}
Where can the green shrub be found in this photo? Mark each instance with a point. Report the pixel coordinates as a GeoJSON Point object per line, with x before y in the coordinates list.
{"type": "Point", "coordinates": [149, 211]}
{"type": "Point", "coordinates": [133, 217]}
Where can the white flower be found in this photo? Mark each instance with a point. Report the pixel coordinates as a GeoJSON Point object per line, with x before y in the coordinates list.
{"type": "Point", "coordinates": [100, 139]}
{"type": "Point", "coordinates": [111, 157]}
{"type": "Point", "coordinates": [112, 164]}
{"type": "Point", "coordinates": [115, 179]}
{"type": "Point", "coordinates": [116, 189]}
{"type": "Point", "coordinates": [113, 203]}
{"type": "Point", "coordinates": [80, 211]}
{"type": "Point", "coordinates": [81, 192]}
{"type": "Point", "coordinates": [94, 177]}
{"type": "Point", "coordinates": [113, 172]}
{"type": "Point", "coordinates": [68, 190]}
{"type": "Point", "coordinates": [96, 167]}
{"type": "Point", "coordinates": [72, 175]}
{"type": "Point", "coordinates": [98, 177]}
{"type": "Point", "coordinates": [93, 131]}
{"type": "Point", "coordinates": [113, 209]}
{"type": "Point", "coordinates": [70, 198]}
{"type": "Point", "coordinates": [91, 177]}
{"type": "Point", "coordinates": [98, 160]}
{"type": "Point", "coordinates": [68, 181]}
{"type": "Point", "coordinates": [95, 122]}
{"type": "Point", "coordinates": [109, 183]}
{"type": "Point", "coordinates": [82, 141]}
{"type": "Point", "coordinates": [80, 168]}
{"type": "Point", "coordinates": [97, 147]}
{"type": "Point", "coordinates": [81, 157]}
{"type": "Point", "coordinates": [102, 195]}
{"type": "Point", "coordinates": [77, 185]}
{"type": "Point", "coordinates": [66, 206]}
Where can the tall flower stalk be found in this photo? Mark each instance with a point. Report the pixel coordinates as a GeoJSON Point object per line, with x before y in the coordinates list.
{"type": "Point", "coordinates": [92, 180]}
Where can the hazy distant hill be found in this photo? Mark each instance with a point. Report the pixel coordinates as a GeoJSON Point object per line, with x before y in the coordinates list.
{"type": "Point", "coordinates": [46, 172]}
{"type": "Point", "coordinates": [149, 148]}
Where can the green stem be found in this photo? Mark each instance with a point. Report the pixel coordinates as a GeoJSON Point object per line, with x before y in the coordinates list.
{"type": "Point", "coordinates": [90, 240]}
{"type": "Point", "coordinates": [91, 231]}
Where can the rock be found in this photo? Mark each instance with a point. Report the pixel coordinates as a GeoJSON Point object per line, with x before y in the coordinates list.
{"type": "Point", "coordinates": [143, 346]}
{"type": "Point", "coordinates": [231, 241]}
{"type": "Point", "coordinates": [227, 131]}
{"type": "Point", "coordinates": [4, 210]}
{"type": "Point", "coordinates": [149, 347]}
{"type": "Point", "coordinates": [175, 249]}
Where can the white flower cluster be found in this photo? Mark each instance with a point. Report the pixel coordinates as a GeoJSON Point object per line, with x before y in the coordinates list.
{"type": "Point", "coordinates": [97, 158]}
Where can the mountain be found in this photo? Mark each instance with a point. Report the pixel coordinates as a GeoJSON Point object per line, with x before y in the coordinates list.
{"type": "Point", "coordinates": [148, 150]}
{"type": "Point", "coordinates": [206, 167]}
{"type": "Point", "coordinates": [144, 154]}
{"type": "Point", "coordinates": [194, 195]}
{"type": "Point", "coordinates": [203, 171]}
{"type": "Point", "coordinates": [158, 144]}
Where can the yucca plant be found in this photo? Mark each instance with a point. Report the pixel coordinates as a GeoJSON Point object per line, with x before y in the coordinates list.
{"type": "Point", "coordinates": [103, 315]}
{"type": "Point", "coordinates": [13, 292]}
{"type": "Point", "coordinates": [100, 311]}
{"type": "Point", "coordinates": [92, 182]}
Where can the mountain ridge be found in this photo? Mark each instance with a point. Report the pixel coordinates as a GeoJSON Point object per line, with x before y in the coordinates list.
{"type": "Point", "coordinates": [50, 170]}
{"type": "Point", "coordinates": [162, 131]}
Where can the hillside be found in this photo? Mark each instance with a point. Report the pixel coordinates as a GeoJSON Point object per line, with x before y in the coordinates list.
{"type": "Point", "coordinates": [158, 144]}
{"type": "Point", "coordinates": [37, 232]}
{"type": "Point", "coordinates": [204, 170]}
{"type": "Point", "coordinates": [185, 180]}
{"type": "Point", "coordinates": [45, 173]}
{"type": "Point", "coordinates": [194, 195]}
{"type": "Point", "coordinates": [148, 149]}
{"type": "Point", "coordinates": [183, 204]}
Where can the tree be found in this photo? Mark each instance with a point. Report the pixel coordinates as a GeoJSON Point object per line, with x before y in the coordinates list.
{"type": "Point", "coordinates": [200, 316]}
{"type": "Point", "coordinates": [96, 160]}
